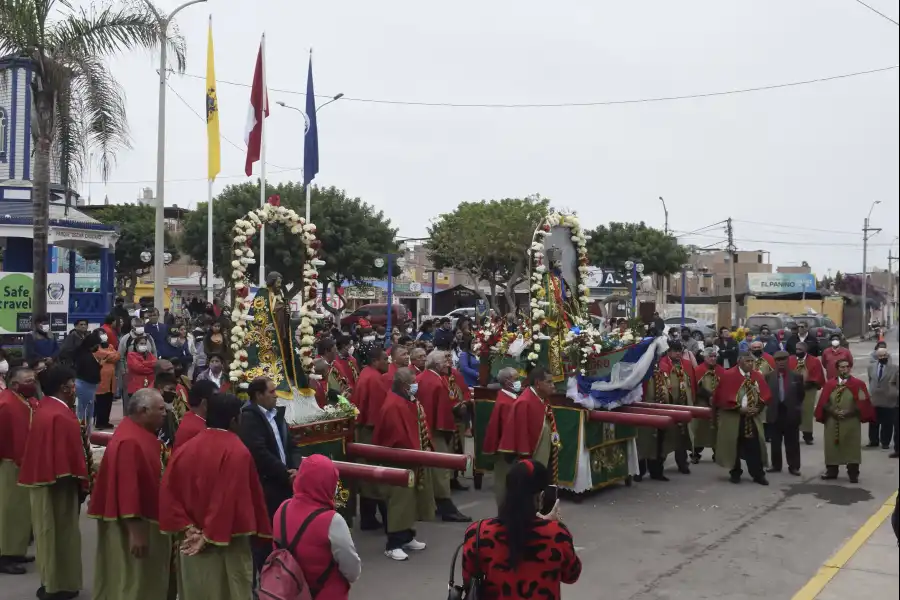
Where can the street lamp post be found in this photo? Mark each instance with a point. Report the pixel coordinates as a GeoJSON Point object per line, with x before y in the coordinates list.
{"type": "Point", "coordinates": [334, 98]}
{"type": "Point", "coordinates": [159, 269]}
{"type": "Point", "coordinates": [685, 276]}
{"type": "Point", "coordinates": [400, 262]}
{"type": "Point", "coordinates": [635, 268]}
{"type": "Point", "coordinates": [864, 317]}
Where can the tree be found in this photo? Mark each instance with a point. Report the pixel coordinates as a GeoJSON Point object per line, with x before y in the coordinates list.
{"type": "Point", "coordinates": [77, 102]}
{"type": "Point", "coordinates": [136, 224]}
{"type": "Point", "coordinates": [351, 234]}
{"type": "Point", "coordinates": [489, 241]}
{"type": "Point", "coordinates": [610, 246]}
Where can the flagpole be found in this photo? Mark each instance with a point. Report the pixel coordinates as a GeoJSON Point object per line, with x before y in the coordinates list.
{"type": "Point", "coordinates": [209, 242]}
{"type": "Point", "coordinates": [213, 159]}
{"type": "Point", "coordinates": [262, 165]}
{"type": "Point", "coordinates": [308, 197]}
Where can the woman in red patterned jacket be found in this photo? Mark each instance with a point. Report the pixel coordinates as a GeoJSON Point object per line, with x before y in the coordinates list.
{"type": "Point", "coordinates": [522, 554]}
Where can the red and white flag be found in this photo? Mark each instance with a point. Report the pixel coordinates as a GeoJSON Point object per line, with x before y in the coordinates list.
{"type": "Point", "coordinates": [259, 98]}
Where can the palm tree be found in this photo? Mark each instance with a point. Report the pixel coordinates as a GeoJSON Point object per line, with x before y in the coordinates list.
{"type": "Point", "coordinates": [78, 104]}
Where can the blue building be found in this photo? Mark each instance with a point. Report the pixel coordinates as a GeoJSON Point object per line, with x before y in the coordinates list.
{"type": "Point", "coordinates": [78, 243]}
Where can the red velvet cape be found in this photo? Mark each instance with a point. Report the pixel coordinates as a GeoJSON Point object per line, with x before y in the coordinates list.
{"type": "Point", "coordinates": [397, 424]}
{"type": "Point", "coordinates": [494, 430]}
{"type": "Point", "coordinates": [322, 392]}
{"type": "Point", "coordinates": [189, 427]}
{"type": "Point", "coordinates": [55, 448]}
{"type": "Point", "coordinates": [368, 395]}
{"type": "Point", "coordinates": [830, 358]}
{"type": "Point", "coordinates": [348, 369]}
{"type": "Point", "coordinates": [523, 425]}
{"type": "Point", "coordinates": [665, 365]}
{"type": "Point", "coordinates": [864, 406]}
{"type": "Point", "coordinates": [730, 384]}
{"type": "Point", "coordinates": [814, 371]}
{"type": "Point", "coordinates": [212, 484]}
{"type": "Point", "coordinates": [462, 385]}
{"type": "Point", "coordinates": [434, 394]}
{"type": "Point", "coordinates": [15, 423]}
{"type": "Point", "coordinates": [388, 378]}
{"type": "Point", "coordinates": [127, 485]}
{"type": "Point", "coordinates": [702, 368]}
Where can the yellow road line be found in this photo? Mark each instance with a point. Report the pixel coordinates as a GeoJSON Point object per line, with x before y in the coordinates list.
{"type": "Point", "coordinates": [834, 564]}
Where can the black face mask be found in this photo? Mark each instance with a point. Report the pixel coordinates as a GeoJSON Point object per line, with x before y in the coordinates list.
{"type": "Point", "coordinates": [168, 397]}
{"type": "Point", "coordinates": [884, 360]}
{"type": "Point", "coordinates": [801, 355]}
{"type": "Point", "coordinates": [757, 353]}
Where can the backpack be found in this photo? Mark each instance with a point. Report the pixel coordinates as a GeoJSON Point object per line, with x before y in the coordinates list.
{"type": "Point", "coordinates": [476, 588]}
{"type": "Point", "coordinates": [281, 578]}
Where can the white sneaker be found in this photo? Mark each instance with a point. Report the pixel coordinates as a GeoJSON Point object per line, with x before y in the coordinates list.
{"type": "Point", "coordinates": [414, 546]}
{"type": "Point", "coordinates": [396, 554]}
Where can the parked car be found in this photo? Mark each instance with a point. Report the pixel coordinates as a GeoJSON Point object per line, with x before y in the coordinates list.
{"type": "Point", "coordinates": [376, 314]}
{"type": "Point", "coordinates": [778, 323]}
{"type": "Point", "coordinates": [454, 315]}
{"type": "Point", "coordinates": [820, 326]}
{"type": "Point", "coordinates": [700, 329]}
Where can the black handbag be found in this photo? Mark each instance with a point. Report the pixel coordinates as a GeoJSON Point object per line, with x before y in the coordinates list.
{"type": "Point", "coordinates": [473, 591]}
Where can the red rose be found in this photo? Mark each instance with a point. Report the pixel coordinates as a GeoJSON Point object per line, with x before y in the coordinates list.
{"type": "Point", "coordinates": [546, 227]}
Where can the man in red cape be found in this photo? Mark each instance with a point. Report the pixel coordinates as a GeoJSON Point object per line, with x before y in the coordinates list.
{"type": "Point", "coordinates": [55, 468]}
{"type": "Point", "coordinates": [417, 358]}
{"type": "Point", "coordinates": [368, 396]}
{"type": "Point", "coordinates": [212, 497]}
{"type": "Point", "coordinates": [740, 403]}
{"type": "Point", "coordinates": [461, 399]}
{"type": "Point", "coordinates": [194, 420]}
{"type": "Point", "coordinates": [402, 424]}
{"type": "Point", "coordinates": [844, 405]}
{"type": "Point", "coordinates": [399, 360]}
{"type": "Point", "coordinates": [762, 360]}
{"type": "Point", "coordinates": [708, 374]}
{"type": "Point", "coordinates": [434, 394]}
{"type": "Point", "coordinates": [508, 378]}
{"type": "Point", "coordinates": [810, 367]}
{"type": "Point", "coordinates": [15, 504]}
{"type": "Point", "coordinates": [834, 353]}
{"type": "Point", "coordinates": [529, 430]}
{"type": "Point", "coordinates": [344, 368]}
{"type": "Point", "coordinates": [125, 502]}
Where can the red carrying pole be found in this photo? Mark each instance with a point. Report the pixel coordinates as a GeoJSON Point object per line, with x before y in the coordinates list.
{"type": "Point", "coordinates": [698, 412]}
{"type": "Point", "coordinates": [637, 420]}
{"type": "Point", "coordinates": [416, 458]}
{"type": "Point", "coordinates": [100, 438]}
{"type": "Point", "coordinates": [679, 416]}
{"type": "Point", "coordinates": [383, 475]}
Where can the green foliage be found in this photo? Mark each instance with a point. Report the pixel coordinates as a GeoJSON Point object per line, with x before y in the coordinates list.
{"type": "Point", "coordinates": [352, 234]}
{"type": "Point", "coordinates": [488, 240]}
{"type": "Point", "coordinates": [136, 226]}
{"type": "Point", "coordinates": [610, 246]}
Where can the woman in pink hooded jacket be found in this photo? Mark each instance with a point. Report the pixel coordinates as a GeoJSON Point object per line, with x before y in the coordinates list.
{"type": "Point", "coordinates": [326, 552]}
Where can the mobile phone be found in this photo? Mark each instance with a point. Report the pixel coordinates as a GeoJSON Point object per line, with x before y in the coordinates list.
{"type": "Point", "coordinates": [551, 495]}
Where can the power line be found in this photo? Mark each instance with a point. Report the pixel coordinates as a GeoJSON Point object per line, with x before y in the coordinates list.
{"type": "Point", "coordinates": [684, 234]}
{"type": "Point", "coordinates": [877, 12]}
{"type": "Point", "coordinates": [577, 104]}
{"type": "Point", "coordinates": [794, 227]}
{"type": "Point", "coordinates": [791, 242]}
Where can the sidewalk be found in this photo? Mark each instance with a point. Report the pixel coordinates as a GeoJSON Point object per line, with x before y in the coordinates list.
{"type": "Point", "coordinates": [866, 566]}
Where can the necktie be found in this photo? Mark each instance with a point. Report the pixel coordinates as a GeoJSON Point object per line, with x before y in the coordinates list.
{"type": "Point", "coordinates": [880, 371]}
{"type": "Point", "coordinates": [781, 387]}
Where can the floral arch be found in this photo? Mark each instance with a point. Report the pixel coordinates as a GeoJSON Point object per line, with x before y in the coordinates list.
{"type": "Point", "coordinates": [242, 256]}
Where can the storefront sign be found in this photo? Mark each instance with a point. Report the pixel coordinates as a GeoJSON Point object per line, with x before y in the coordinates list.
{"type": "Point", "coordinates": [604, 277]}
{"type": "Point", "coordinates": [16, 296]}
{"type": "Point", "coordinates": [781, 283]}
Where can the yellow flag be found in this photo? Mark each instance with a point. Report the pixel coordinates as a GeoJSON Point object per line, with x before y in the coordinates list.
{"type": "Point", "coordinates": [212, 111]}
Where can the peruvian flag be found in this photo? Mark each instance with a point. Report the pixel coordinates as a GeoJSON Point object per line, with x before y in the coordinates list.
{"type": "Point", "coordinates": [259, 98]}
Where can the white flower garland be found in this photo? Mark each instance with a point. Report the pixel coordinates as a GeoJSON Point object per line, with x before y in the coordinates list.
{"type": "Point", "coordinates": [538, 315]}
{"type": "Point", "coordinates": [242, 256]}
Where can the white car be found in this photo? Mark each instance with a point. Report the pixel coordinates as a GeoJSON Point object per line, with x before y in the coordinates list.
{"type": "Point", "coordinates": [454, 315]}
{"type": "Point", "coordinates": [700, 329]}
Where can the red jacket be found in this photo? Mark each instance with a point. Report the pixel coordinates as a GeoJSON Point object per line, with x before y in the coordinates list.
{"type": "Point", "coordinates": [140, 371]}
{"type": "Point", "coordinates": [830, 358]}
{"type": "Point", "coordinates": [15, 423]}
{"type": "Point", "coordinates": [368, 395]}
{"type": "Point", "coordinates": [434, 394]}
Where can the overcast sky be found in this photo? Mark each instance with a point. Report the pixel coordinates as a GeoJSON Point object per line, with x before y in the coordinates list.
{"type": "Point", "coordinates": [800, 160]}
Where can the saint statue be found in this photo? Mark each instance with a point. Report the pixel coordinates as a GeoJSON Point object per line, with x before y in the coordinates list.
{"type": "Point", "coordinates": [561, 305]}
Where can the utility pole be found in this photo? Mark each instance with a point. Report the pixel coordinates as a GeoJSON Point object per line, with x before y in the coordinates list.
{"type": "Point", "coordinates": [731, 260]}
{"type": "Point", "coordinates": [864, 317]}
{"type": "Point", "coordinates": [892, 302]}
{"type": "Point", "coordinates": [664, 279]}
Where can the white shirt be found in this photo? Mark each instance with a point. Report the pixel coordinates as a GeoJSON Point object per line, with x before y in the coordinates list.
{"type": "Point", "coordinates": [61, 402]}
{"type": "Point", "coordinates": [270, 418]}
{"type": "Point", "coordinates": [214, 379]}
{"type": "Point", "coordinates": [509, 393]}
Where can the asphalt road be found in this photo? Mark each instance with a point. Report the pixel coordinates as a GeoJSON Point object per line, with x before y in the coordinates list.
{"type": "Point", "coordinates": [696, 537]}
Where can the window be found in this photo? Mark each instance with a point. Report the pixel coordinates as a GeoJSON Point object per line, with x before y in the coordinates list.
{"type": "Point", "coordinates": [4, 134]}
{"type": "Point", "coordinates": [727, 282]}
{"type": "Point", "coordinates": [830, 323]}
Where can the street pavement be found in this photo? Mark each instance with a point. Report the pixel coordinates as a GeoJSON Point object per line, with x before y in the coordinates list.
{"type": "Point", "coordinates": [696, 537]}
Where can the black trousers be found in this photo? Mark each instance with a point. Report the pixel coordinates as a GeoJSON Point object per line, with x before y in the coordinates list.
{"type": "Point", "coordinates": [397, 539]}
{"type": "Point", "coordinates": [882, 430]}
{"type": "Point", "coordinates": [748, 450]}
{"type": "Point", "coordinates": [783, 432]}
{"type": "Point", "coordinates": [102, 408]}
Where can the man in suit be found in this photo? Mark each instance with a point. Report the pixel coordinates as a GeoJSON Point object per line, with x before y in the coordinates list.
{"type": "Point", "coordinates": [263, 431]}
{"type": "Point", "coordinates": [883, 387]}
{"type": "Point", "coordinates": [800, 333]}
{"type": "Point", "coordinates": [784, 413]}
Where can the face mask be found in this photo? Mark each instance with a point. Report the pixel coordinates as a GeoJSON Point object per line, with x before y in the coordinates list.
{"type": "Point", "coordinates": [215, 368]}
{"type": "Point", "coordinates": [685, 336]}
{"type": "Point", "coordinates": [4, 366]}
{"type": "Point", "coordinates": [757, 353]}
{"type": "Point", "coordinates": [139, 331]}
{"type": "Point", "coordinates": [45, 327]}
{"type": "Point", "coordinates": [883, 361]}
{"type": "Point", "coordinates": [801, 355]}
{"type": "Point", "coordinates": [174, 341]}
{"type": "Point", "coordinates": [835, 343]}
{"type": "Point", "coordinates": [27, 390]}
{"type": "Point", "coordinates": [517, 386]}
{"type": "Point", "coordinates": [368, 338]}
{"type": "Point", "coordinates": [142, 347]}
{"type": "Point", "coordinates": [104, 338]}
{"type": "Point", "coordinates": [414, 389]}
{"type": "Point", "coordinates": [168, 397]}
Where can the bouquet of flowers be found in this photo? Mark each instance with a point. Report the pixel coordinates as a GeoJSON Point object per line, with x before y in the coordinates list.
{"type": "Point", "coordinates": [584, 344]}
{"type": "Point", "coordinates": [740, 334]}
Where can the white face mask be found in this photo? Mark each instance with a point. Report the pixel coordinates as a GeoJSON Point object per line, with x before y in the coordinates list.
{"type": "Point", "coordinates": [835, 343]}
{"type": "Point", "coordinates": [138, 330]}
{"type": "Point", "coordinates": [368, 338]}
{"type": "Point", "coordinates": [142, 347]}
{"type": "Point", "coordinates": [4, 366]}
{"type": "Point", "coordinates": [104, 338]}
{"type": "Point", "coordinates": [414, 389]}
{"type": "Point", "coordinates": [45, 327]}
{"type": "Point", "coordinates": [517, 386]}
{"type": "Point", "coordinates": [174, 341]}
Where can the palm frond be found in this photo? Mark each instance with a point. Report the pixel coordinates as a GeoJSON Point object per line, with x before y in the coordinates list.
{"type": "Point", "coordinates": [20, 26]}
{"type": "Point", "coordinates": [70, 138]}
{"type": "Point", "coordinates": [102, 104]}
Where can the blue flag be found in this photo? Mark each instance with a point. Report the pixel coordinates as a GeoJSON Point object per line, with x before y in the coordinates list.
{"type": "Point", "coordinates": [311, 140]}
